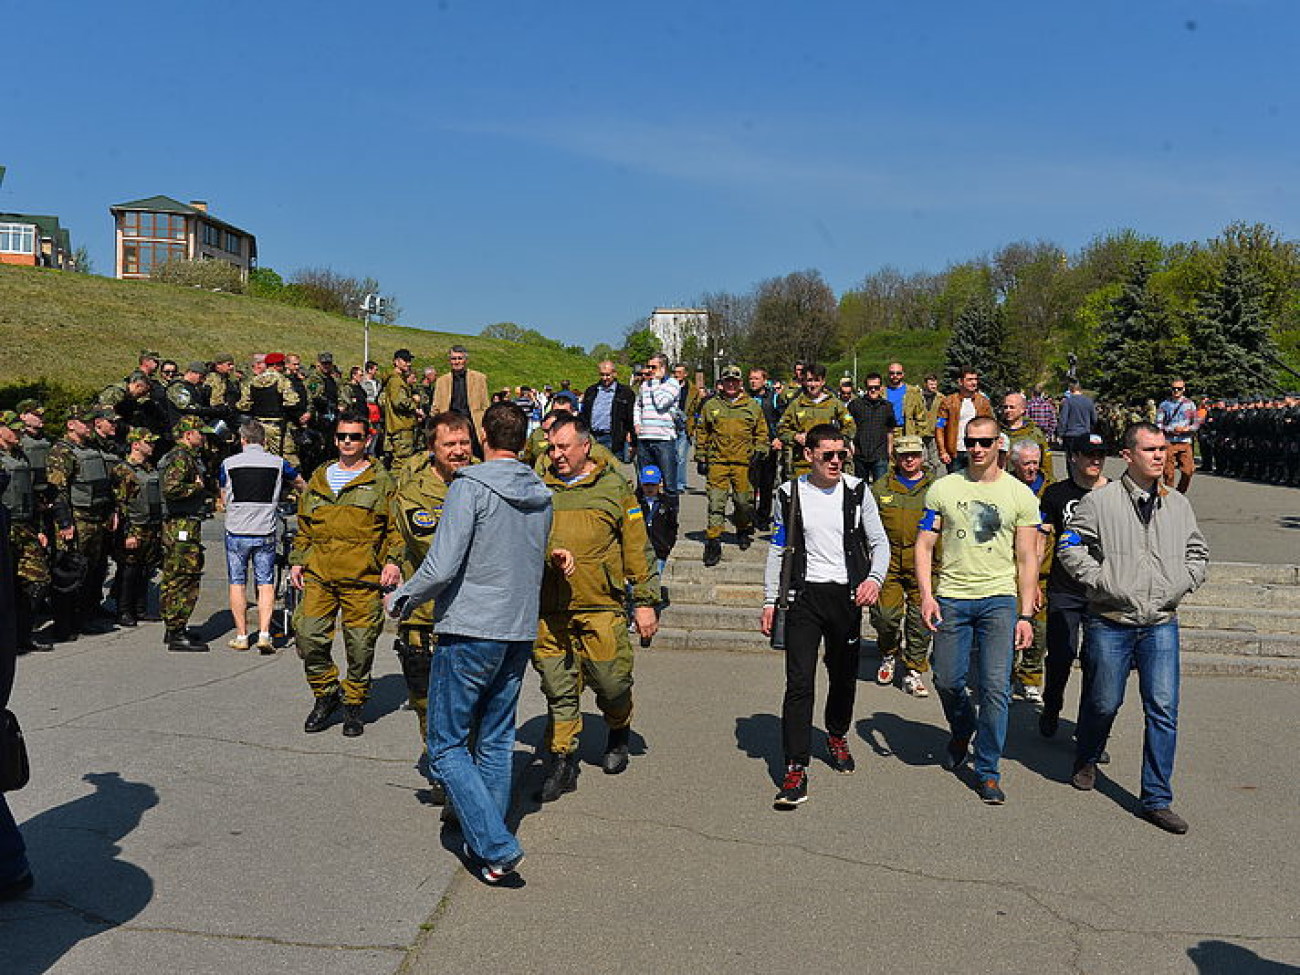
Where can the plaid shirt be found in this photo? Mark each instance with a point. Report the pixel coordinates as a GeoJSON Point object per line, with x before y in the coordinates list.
{"type": "Point", "coordinates": [1041, 411]}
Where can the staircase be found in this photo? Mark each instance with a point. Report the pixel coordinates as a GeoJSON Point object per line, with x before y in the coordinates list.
{"type": "Point", "coordinates": [1245, 620]}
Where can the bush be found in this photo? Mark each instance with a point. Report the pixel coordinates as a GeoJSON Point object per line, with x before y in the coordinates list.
{"type": "Point", "coordinates": [55, 396]}
{"type": "Point", "coordinates": [210, 275]}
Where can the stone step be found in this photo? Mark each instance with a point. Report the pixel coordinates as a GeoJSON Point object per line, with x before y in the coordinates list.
{"type": "Point", "coordinates": [1246, 595]}
{"type": "Point", "coordinates": [1239, 619]}
{"type": "Point", "coordinates": [1253, 573]}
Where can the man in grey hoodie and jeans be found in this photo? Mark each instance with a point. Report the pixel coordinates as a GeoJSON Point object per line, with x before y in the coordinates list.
{"type": "Point", "coordinates": [484, 573]}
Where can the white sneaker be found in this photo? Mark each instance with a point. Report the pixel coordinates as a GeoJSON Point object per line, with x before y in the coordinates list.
{"type": "Point", "coordinates": [238, 642]}
{"type": "Point", "coordinates": [885, 675]}
{"type": "Point", "coordinates": [1034, 695]}
{"type": "Point", "coordinates": [914, 685]}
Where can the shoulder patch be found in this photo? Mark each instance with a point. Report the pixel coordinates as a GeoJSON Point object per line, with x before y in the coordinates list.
{"type": "Point", "coordinates": [1069, 539]}
{"type": "Point", "coordinates": [634, 512]}
{"type": "Point", "coordinates": [421, 518]}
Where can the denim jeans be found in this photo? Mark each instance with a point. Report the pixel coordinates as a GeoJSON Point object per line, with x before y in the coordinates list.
{"type": "Point", "coordinates": [870, 470]}
{"type": "Point", "coordinates": [1111, 650]}
{"type": "Point", "coordinates": [479, 680]}
{"type": "Point", "coordinates": [663, 454]}
{"type": "Point", "coordinates": [683, 453]}
{"type": "Point", "coordinates": [13, 854]}
{"type": "Point", "coordinates": [976, 640]}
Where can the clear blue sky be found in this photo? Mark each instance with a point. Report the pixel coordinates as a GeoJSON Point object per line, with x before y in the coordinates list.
{"type": "Point", "coordinates": [570, 165]}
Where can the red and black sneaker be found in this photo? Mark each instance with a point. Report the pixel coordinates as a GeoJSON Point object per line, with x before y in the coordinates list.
{"type": "Point", "coordinates": [794, 790]}
{"type": "Point", "coordinates": [841, 759]}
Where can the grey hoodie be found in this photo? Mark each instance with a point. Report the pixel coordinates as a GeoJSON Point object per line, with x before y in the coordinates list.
{"type": "Point", "coordinates": [484, 568]}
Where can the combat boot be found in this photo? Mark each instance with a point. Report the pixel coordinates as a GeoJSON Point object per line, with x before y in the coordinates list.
{"type": "Point", "coordinates": [615, 760]}
{"type": "Point", "coordinates": [712, 551]}
{"type": "Point", "coordinates": [319, 718]}
{"type": "Point", "coordinates": [128, 578]}
{"type": "Point", "coordinates": [562, 778]}
{"type": "Point", "coordinates": [353, 726]}
{"type": "Point", "coordinates": [180, 641]}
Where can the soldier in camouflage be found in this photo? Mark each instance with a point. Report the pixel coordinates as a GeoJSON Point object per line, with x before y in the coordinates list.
{"type": "Point", "coordinates": [400, 409]}
{"type": "Point", "coordinates": [812, 406]}
{"type": "Point", "coordinates": [138, 487]}
{"type": "Point", "coordinates": [732, 433]}
{"type": "Point", "coordinates": [270, 399]}
{"type": "Point", "coordinates": [185, 500]}
{"type": "Point", "coordinates": [28, 544]}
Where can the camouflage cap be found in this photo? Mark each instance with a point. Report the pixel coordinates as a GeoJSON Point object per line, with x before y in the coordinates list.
{"type": "Point", "coordinates": [222, 357]}
{"type": "Point", "coordinates": [187, 423]}
{"type": "Point", "coordinates": [197, 366]}
{"type": "Point", "coordinates": [136, 434]}
{"type": "Point", "coordinates": [83, 414]}
{"type": "Point", "coordinates": [731, 372]}
{"type": "Point", "coordinates": [908, 445]}
{"type": "Point", "coordinates": [12, 420]}
{"type": "Point", "coordinates": [103, 413]}
{"type": "Point", "coordinates": [137, 377]}
{"type": "Point", "coordinates": [29, 406]}
{"type": "Point", "coordinates": [150, 354]}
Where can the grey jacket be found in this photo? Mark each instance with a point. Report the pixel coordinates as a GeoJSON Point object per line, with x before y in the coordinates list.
{"type": "Point", "coordinates": [1135, 573]}
{"type": "Point", "coordinates": [484, 568]}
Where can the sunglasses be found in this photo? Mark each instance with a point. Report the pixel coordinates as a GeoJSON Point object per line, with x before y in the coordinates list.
{"type": "Point", "coordinates": [873, 389]}
{"type": "Point", "coordinates": [840, 455]}
{"type": "Point", "coordinates": [981, 441]}
{"type": "Point", "coordinates": [349, 436]}
{"type": "Point", "coordinates": [892, 373]}
{"type": "Point", "coordinates": [1179, 389]}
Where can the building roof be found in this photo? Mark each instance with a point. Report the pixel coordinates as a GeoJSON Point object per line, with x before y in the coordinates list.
{"type": "Point", "coordinates": [165, 204]}
{"type": "Point", "coordinates": [47, 225]}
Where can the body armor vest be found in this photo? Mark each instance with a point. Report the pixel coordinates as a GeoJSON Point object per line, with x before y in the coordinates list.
{"type": "Point", "coordinates": [20, 494]}
{"type": "Point", "coordinates": [267, 403]}
{"type": "Point", "coordinates": [93, 489]}
{"type": "Point", "coordinates": [191, 507]}
{"type": "Point", "coordinates": [37, 450]}
{"type": "Point", "coordinates": [146, 507]}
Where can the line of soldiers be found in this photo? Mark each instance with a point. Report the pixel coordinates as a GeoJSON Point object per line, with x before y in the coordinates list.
{"type": "Point", "coordinates": [1258, 439]}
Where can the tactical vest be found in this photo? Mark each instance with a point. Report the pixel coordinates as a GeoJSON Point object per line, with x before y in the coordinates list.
{"type": "Point", "coordinates": [191, 507]}
{"type": "Point", "coordinates": [146, 508]}
{"type": "Point", "coordinates": [19, 494]}
{"type": "Point", "coordinates": [92, 491]}
{"type": "Point", "coordinates": [267, 403]}
{"type": "Point", "coordinates": [230, 394]}
{"type": "Point", "coordinates": [37, 449]}
{"type": "Point", "coordinates": [328, 401]}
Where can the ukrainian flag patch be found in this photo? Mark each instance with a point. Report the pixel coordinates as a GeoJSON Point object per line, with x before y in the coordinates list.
{"type": "Point", "coordinates": [634, 513]}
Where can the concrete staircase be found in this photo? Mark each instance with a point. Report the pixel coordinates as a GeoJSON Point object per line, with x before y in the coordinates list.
{"type": "Point", "coordinates": [1245, 620]}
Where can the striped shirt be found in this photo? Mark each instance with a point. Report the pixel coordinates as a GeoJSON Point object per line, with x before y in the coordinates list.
{"type": "Point", "coordinates": [655, 405]}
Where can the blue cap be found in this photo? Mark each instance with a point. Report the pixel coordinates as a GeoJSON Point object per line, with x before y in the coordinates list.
{"type": "Point", "coordinates": [651, 475]}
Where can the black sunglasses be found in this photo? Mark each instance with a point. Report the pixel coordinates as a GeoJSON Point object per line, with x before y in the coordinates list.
{"type": "Point", "coordinates": [840, 455]}
{"type": "Point", "coordinates": [349, 436]}
{"type": "Point", "coordinates": [873, 389]}
{"type": "Point", "coordinates": [981, 441]}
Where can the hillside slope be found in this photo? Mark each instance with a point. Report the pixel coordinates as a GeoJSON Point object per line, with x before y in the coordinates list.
{"type": "Point", "coordinates": [85, 332]}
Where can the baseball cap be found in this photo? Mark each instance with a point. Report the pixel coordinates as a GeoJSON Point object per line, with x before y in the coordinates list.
{"type": "Point", "coordinates": [29, 406]}
{"type": "Point", "coordinates": [650, 474]}
{"type": "Point", "coordinates": [196, 366]}
{"type": "Point", "coordinates": [12, 420]}
{"type": "Point", "coordinates": [404, 354]}
{"type": "Point", "coordinates": [187, 423]}
{"type": "Point", "coordinates": [136, 434]}
{"type": "Point", "coordinates": [731, 372]}
{"type": "Point", "coordinates": [908, 445]}
{"type": "Point", "coordinates": [103, 413]}
{"type": "Point", "coordinates": [1096, 445]}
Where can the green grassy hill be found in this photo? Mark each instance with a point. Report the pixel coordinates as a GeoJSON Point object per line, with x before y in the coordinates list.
{"type": "Point", "coordinates": [81, 333]}
{"type": "Point", "coordinates": [919, 352]}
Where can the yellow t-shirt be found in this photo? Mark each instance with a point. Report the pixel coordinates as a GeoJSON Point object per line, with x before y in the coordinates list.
{"type": "Point", "coordinates": [978, 521]}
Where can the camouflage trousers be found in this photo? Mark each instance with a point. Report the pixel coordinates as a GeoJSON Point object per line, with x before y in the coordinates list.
{"type": "Point", "coordinates": [724, 482]}
{"type": "Point", "coordinates": [182, 570]}
{"type": "Point", "coordinates": [577, 649]}
{"type": "Point", "coordinates": [1028, 669]}
{"type": "Point", "coordinates": [92, 542]}
{"type": "Point", "coordinates": [360, 611]}
{"type": "Point", "coordinates": [897, 613]}
{"type": "Point", "coordinates": [401, 444]}
{"type": "Point", "coordinates": [415, 647]}
{"type": "Point", "coordinates": [31, 558]}
{"type": "Point", "coordinates": [148, 553]}
{"type": "Point", "coordinates": [279, 441]}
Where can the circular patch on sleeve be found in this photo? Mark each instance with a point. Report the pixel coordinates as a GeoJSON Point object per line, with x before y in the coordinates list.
{"type": "Point", "coordinates": [422, 521]}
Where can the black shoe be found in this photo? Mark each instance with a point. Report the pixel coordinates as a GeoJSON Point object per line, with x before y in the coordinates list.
{"type": "Point", "coordinates": [794, 788]}
{"type": "Point", "coordinates": [353, 726]}
{"type": "Point", "coordinates": [991, 793]}
{"type": "Point", "coordinates": [615, 760]}
{"type": "Point", "coordinates": [841, 759]}
{"type": "Point", "coordinates": [144, 616]}
{"type": "Point", "coordinates": [33, 645]}
{"type": "Point", "coordinates": [745, 539]}
{"type": "Point", "coordinates": [664, 599]}
{"type": "Point", "coordinates": [562, 778]}
{"type": "Point", "coordinates": [324, 707]}
{"type": "Point", "coordinates": [17, 887]}
{"type": "Point", "coordinates": [96, 626]}
{"type": "Point", "coordinates": [1084, 777]}
{"type": "Point", "coordinates": [436, 794]}
{"type": "Point", "coordinates": [1166, 819]}
{"type": "Point", "coordinates": [180, 641]}
{"type": "Point", "coordinates": [1103, 758]}
{"type": "Point", "coordinates": [712, 551]}
{"type": "Point", "coordinates": [126, 618]}
{"type": "Point", "coordinates": [956, 753]}
{"type": "Point", "coordinates": [1048, 722]}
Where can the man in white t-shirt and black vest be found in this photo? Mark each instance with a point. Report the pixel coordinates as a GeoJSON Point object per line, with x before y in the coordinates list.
{"type": "Point", "coordinates": [830, 554]}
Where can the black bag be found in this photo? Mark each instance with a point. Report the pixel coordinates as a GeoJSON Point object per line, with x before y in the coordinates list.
{"type": "Point", "coordinates": [15, 770]}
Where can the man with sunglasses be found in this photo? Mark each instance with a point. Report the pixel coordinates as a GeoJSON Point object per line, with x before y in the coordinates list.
{"type": "Point", "coordinates": [896, 391]}
{"type": "Point", "coordinates": [873, 440]}
{"type": "Point", "coordinates": [1178, 421]}
{"type": "Point", "coordinates": [988, 521]}
{"type": "Point", "coordinates": [344, 555]}
{"type": "Point", "coordinates": [955, 413]}
{"type": "Point", "coordinates": [832, 531]}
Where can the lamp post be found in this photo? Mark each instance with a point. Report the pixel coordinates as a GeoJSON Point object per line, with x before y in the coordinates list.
{"type": "Point", "coordinates": [717, 357]}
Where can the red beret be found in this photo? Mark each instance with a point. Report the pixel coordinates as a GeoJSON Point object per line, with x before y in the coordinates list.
{"type": "Point", "coordinates": [274, 358]}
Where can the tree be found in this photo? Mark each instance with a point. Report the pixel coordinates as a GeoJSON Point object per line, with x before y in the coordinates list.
{"type": "Point", "coordinates": [264, 282]}
{"type": "Point", "coordinates": [978, 341]}
{"type": "Point", "coordinates": [795, 318]}
{"type": "Point", "coordinates": [1133, 361]}
{"type": "Point", "coordinates": [728, 325]}
{"type": "Point", "coordinates": [505, 331]}
{"type": "Point", "coordinates": [639, 344]}
{"type": "Point", "coordinates": [603, 350]}
{"type": "Point", "coordinates": [82, 262]}
{"type": "Point", "coordinates": [1229, 340]}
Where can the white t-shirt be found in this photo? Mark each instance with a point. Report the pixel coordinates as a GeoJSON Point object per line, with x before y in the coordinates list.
{"type": "Point", "coordinates": [964, 417]}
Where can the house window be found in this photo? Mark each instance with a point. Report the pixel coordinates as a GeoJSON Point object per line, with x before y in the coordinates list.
{"type": "Point", "coordinates": [164, 225]}
{"type": "Point", "coordinates": [211, 235]}
{"type": "Point", "coordinates": [17, 238]}
{"type": "Point", "coordinates": [232, 243]}
{"type": "Point", "coordinates": [142, 257]}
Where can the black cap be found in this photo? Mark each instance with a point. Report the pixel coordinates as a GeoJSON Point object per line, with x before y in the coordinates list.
{"type": "Point", "coordinates": [404, 354]}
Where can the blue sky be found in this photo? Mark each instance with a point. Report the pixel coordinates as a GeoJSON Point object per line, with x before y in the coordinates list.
{"type": "Point", "coordinates": [570, 165]}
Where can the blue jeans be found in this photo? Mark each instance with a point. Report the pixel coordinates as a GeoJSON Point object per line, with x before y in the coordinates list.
{"type": "Point", "coordinates": [13, 854]}
{"type": "Point", "coordinates": [683, 454]}
{"type": "Point", "coordinates": [663, 454]}
{"type": "Point", "coordinates": [477, 679]}
{"type": "Point", "coordinates": [1111, 650]}
{"type": "Point", "coordinates": [976, 639]}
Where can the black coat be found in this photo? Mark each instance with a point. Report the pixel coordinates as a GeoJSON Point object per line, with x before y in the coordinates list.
{"type": "Point", "coordinates": [620, 414]}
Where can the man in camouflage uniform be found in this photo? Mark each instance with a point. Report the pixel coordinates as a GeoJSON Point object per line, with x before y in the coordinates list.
{"type": "Point", "coordinates": [582, 638]}
{"type": "Point", "coordinates": [813, 405]}
{"type": "Point", "coordinates": [270, 399]}
{"type": "Point", "coordinates": [398, 404]}
{"type": "Point", "coordinates": [132, 401]}
{"type": "Point", "coordinates": [185, 500]}
{"type": "Point", "coordinates": [417, 505]}
{"type": "Point", "coordinates": [900, 496]}
{"type": "Point", "coordinates": [138, 487]}
{"type": "Point", "coordinates": [27, 542]}
{"type": "Point", "coordinates": [342, 558]}
{"type": "Point", "coordinates": [79, 473]}
{"type": "Point", "coordinates": [223, 387]}
{"type": "Point", "coordinates": [732, 433]}
{"type": "Point", "coordinates": [327, 395]}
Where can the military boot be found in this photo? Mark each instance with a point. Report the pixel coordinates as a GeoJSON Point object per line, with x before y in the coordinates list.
{"type": "Point", "coordinates": [319, 718]}
{"type": "Point", "coordinates": [712, 551]}
{"type": "Point", "coordinates": [615, 760]}
{"type": "Point", "coordinates": [180, 641]}
{"type": "Point", "coordinates": [353, 726]}
{"type": "Point", "coordinates": [562, 778]}
{"type": "Point", "coordinates": [128, 578]}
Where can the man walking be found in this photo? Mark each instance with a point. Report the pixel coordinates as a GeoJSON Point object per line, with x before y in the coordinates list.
{"type": "Point", "coordinates": [1017, 426]}
{"type": "Point", "coordinates": [920, 416]}
{"type": "Point", "coordinates": [763, 475]}
{"type": "Point", "coordinates": [956, 410]}
{"type": "Point", "coordinates": [1179, 423]}
{"type": "Point", "coordinates": [1078, 418]}
{"type": "Point", "coordinates": [184, 498]}
{"type": "Point", "coordinates": [688, 412]}
{"type": "Point", "coordinates": [654, 419]}
{"type": "Point", "coordinates": [1137, 550]}
{"type": "Point", "coordinates": [465, 391]}
{"type": "Point", "coordinates": [987, 522]}
{"type": "Point", "coordinates": [827, 524]}
{"type": "Point", "coordinates": [398, 406]}
{"type": "Point", "coordinates": [491, 539]}
{"type": "Point", "coordinates": [874, 417]}
{"type": "Point", "coordinates": [732, 434]}
{"type": "Point", "coordinates": [607, 407]}
{"type": "Point", "coordinates": [811, 407]}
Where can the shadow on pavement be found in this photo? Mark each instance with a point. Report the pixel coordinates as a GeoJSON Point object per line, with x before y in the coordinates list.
{"type": "Point", "coordinates": [759, 736]}
{"type": "Point", "coordinates": [387, 694]}
{"type": "Point", "coordinates": [73, 851]}
{"type": "Point", "coordinates": [911, 742]}
{"type": "Point", "coordinates": [1225, 958]}
{"type": "Point", "coordinates": [218, 624]}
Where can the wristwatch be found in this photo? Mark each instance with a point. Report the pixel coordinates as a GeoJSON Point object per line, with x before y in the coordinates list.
{"type": "Point", "coordinates": [1024, 619]}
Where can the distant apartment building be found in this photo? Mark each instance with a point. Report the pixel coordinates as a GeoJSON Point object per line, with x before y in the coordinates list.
{"type": "Point", "coordinates": [159, 229]}
{"type": "Point", "coordinates": [35, 241]}
{"type": "Point", "coordinates": [672, 326]}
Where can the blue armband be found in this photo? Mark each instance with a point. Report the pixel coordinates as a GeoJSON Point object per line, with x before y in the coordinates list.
{"type": "Point", "coordinates": [1069, 539]}
{"type": "Point", "coordinates": [927, 520]}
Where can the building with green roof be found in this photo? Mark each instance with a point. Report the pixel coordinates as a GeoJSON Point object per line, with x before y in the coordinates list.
{"type": "Point", "coordinates": [158, 229]}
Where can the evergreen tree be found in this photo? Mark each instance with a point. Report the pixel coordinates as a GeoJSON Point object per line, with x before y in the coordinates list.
{"type": "Point", "coordinates": [979, 341]}
{"type": "Point", "coordinates": [1133, 355]}
{"type": "Point", "coordinates": [1229, 335]}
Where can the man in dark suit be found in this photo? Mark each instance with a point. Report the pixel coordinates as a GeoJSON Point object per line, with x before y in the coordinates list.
{"type": "Point", "coordinates": [607, 410]}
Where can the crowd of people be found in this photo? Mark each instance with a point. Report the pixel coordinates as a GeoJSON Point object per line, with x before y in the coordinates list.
{"type": "Point", "coordinates": [502, 527]}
